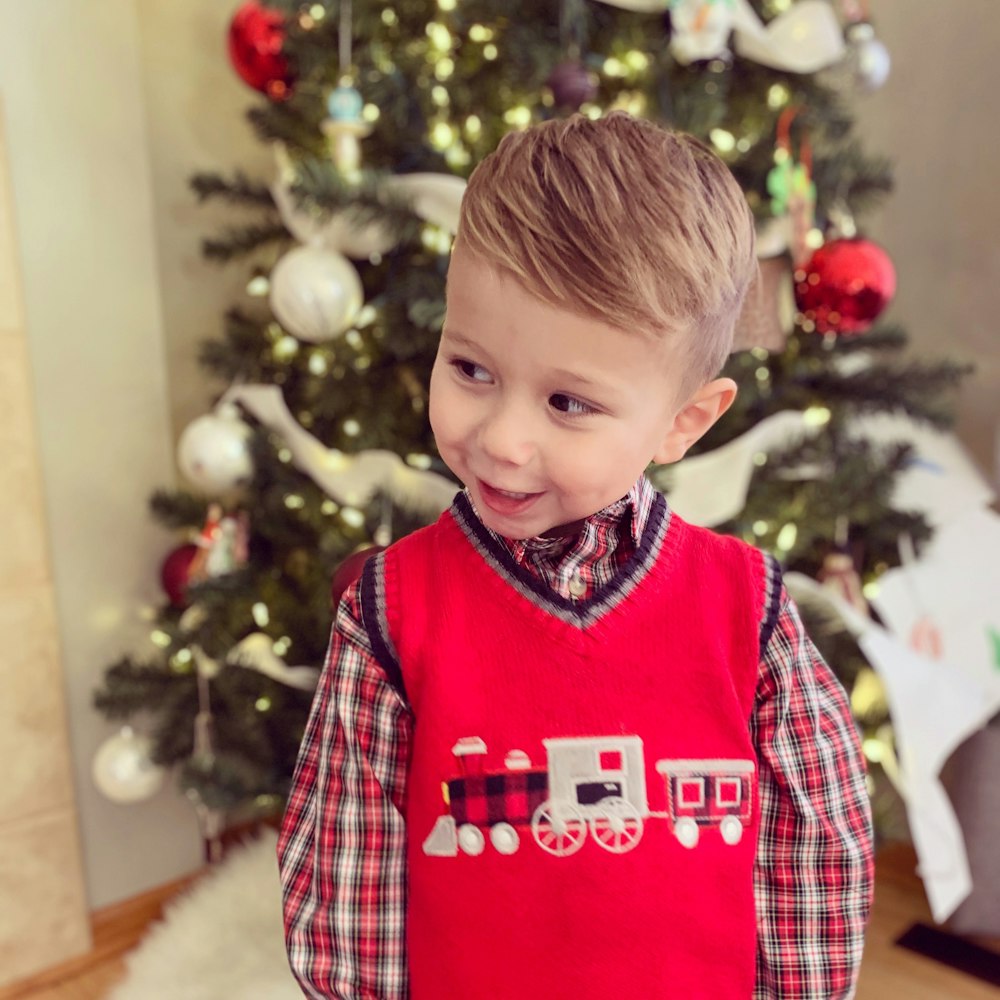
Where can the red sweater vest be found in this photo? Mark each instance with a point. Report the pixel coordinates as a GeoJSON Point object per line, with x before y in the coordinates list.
{"type": "Point", "coordinates": [582, 807]}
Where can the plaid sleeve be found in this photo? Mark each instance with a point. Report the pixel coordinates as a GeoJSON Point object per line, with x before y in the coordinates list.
{"type": "Point", "coordinates": [814, 871]}
{"type": "Point", "coordinates": [342, 847]}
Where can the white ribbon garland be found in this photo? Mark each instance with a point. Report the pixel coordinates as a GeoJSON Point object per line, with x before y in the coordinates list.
{"type": "Point", "coordinates": [804, 39]}
{"type": "Point", "coordinates": [352, 480]}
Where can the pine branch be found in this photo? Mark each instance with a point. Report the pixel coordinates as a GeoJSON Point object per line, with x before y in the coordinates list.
{"type": "Point", "coordinates": [178, 509]}
{"type": "Point", "coordinates": [238, 191]}
{"type": "Point", "coordinates": [367, 201]}
{"type": "Point", "coordinates": [240, 242]}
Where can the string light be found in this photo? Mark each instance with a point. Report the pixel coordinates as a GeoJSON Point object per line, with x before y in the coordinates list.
{"type": "Point", "coordinates": [366, 317]}
{"type": "Point", "coordinates": [778, 95]}
{"type": "Point", "coordinates": [474, 126]}
{"type": "Point", "coordinates": [258, 286]}
{"type": "Point", "coordinates": [371, 113]}
{"type": "Point", "coordinates": [260, 614]}
{"type": "Point", "coordinates": [444, 68]}
{"type": "Point", "coordinates": [760, 528]}
{"type": "Point", "coordinates": [480, 33]}
{"type": "Point", "coordinates": [440, 96]}
{"type": "Point", "coordinates": [284, 455]}
{"type": "Point", "coordinates": [490, 52]}
{"type": "Point", "coordinates": [286, 348]}
{"type": "Point", "coordinates": [329, 507]}
{"type": "Point", "coordinates": [294, 502]}
{"type": "Point", "coordinates": [352, 516]}
{"type": "Point", "coordinates": [352, 428]}
{"type": "Point", "coordinates": [389, 17]}
{"type": "Point", "coordinates": [787, 537]}
{"type": "Point", "coordinates": [724, 142]}
{"type": "Point", "coordinates": [282, 645]}
{"type": "Point", "coordinates": [613, 67]}
{"type": "Point", "coordinates": [262, 704]}
{"type": "Point", "coordinates": [160, 638]}
{"type": "Point", "coordinates": [418, 461]}
{"type": "Point", "coordinates": [439, 35]}
{"type": "Point", "coordinates": [318, 364]}
{"type": "Point", "coordinates": [354, 339]}
{"type": "Point", "coordinates": [816, 416]}
{"type": "Point", "coordinates": [519, 116]}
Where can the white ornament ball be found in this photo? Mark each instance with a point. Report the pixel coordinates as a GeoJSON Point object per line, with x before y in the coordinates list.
{"type": "Point", "coordinates": [123, 770]}
{"type": "Point", "coordinates": [315, 293]}
{"type": "Point", "coordinates": [214, 451]}
{"type": "Point", "coordinates": [869, 58]}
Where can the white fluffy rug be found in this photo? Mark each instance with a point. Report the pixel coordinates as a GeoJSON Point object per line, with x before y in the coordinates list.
{"type": "Point", "coordinates": [221, 940]}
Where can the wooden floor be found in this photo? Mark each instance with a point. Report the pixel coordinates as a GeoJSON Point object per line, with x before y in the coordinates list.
{"type": "Point", "coordinates": [888, 972]}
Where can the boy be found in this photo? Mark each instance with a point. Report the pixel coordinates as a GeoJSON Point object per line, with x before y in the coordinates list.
{"type": "Point", "coordinates": [624, 706]}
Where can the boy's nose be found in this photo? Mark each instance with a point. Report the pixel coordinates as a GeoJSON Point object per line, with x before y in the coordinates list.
{"type": "Point", "coordinates": [505, 438]}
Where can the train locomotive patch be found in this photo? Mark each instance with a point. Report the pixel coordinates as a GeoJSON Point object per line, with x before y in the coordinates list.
{"type": "Point", "coordinates": [591, 785]}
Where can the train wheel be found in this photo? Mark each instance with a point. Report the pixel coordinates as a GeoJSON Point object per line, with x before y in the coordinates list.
{"type": "Point", "coordinates": [559, 828]}
{"type": "Point", "coordinates": [731, 829]}
{"type": "Point", "coordinates": [619, 829]}
{"type": "Point", "coordinates": [504, 838]}
{"type": "Point", "coordinates": [471, 839]}
{"type": "Point", "coordinates": [686, 831]}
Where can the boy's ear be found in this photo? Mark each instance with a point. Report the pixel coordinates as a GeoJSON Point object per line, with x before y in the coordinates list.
{"type": "Point", "coordinates": [694, 419]}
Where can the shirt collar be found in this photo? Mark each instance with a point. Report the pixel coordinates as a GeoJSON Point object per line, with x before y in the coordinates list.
{"type": "Point", "coordinates": [638, 502]}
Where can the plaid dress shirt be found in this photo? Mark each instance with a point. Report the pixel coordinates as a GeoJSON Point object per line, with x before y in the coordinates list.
{"type": "Point", "coordinates": [342, 849]}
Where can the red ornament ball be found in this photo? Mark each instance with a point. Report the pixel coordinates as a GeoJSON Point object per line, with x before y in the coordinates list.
{"type": "Point", "coordinates": [845, 286]}
{"type": "Point", "coordinates": [256, 38]}
{"type": "Point", "coordinates": [349, 571]}
{"type": "Point", "coordinates": [176, 572]}
{"type": "Point", "coordinates": [572, 85]}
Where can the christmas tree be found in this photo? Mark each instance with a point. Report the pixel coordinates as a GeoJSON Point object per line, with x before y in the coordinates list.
{"type": "Point", "coordinates": [317, 446]}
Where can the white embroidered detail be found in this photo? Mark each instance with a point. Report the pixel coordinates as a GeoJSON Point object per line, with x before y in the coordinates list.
{"type": "Point", "coordinates": [594, 785]}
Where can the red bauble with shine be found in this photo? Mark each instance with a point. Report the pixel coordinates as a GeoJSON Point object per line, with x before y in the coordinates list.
{"type": "Point", "coordinates": [175, 573]}
{"type": "Point", "coordinates": [845, 286]}
{"type": "Point", "coordinates": [349, 571]}
{"type": "Point", "coordinates": [256, 37]}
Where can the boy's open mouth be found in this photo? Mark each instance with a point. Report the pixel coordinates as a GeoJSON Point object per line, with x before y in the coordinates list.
{"type": "Point", "coordinates": [505, 501]}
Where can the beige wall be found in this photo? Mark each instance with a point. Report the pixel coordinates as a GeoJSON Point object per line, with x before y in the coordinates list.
{"type": "Point", "coordinates": [39, 840]}
{"type": "Point", "coordinates": [83, 222]}
{"type": "Point", "coordinates": [195, 112]}
{"type": "Point", "coordinates": [936, 117]}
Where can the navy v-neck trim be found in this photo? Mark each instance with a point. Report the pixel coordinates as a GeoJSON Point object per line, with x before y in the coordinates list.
{"type": "Point", "coordinates": [579, 613]}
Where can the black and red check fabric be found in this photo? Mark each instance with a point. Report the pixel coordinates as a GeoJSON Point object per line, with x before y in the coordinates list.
{"type": "Point", "coordinates": [486, 799]}
{"type": "Point", "coordinates": [342, 849]}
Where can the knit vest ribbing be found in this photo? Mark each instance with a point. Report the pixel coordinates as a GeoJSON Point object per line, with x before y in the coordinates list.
{"type": "Point", "coordinates": [581, 798]}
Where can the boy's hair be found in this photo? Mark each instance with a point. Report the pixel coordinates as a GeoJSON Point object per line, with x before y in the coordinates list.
{"type": "Point", "coordinates": [622, 220]}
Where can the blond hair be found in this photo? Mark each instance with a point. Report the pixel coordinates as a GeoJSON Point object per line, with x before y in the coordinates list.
{"type": "Point", "coordinates": [622, 220]}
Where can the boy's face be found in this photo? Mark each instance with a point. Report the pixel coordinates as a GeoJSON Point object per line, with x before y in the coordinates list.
{"type": "Point", "coordinates": [547, 416]}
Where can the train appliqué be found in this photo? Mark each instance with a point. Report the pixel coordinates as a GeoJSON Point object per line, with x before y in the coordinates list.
{"type": "Point", "coordinates": [590, 784]}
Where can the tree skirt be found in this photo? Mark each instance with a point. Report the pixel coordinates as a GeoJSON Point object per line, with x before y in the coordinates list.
{"type": "Point", "coordinates": [221, 938]}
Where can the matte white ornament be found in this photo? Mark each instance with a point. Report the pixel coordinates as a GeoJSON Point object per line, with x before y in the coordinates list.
{"type": "Point", "coordinates": [214, 451]}
{"type": "Point", "coordinates": [122, 769]}
{"type": "Point", "coordinates": [315, 293]}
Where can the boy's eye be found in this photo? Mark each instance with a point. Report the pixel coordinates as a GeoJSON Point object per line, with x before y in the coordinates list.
{"type": "Point", "coordinates": [569, 405]}
{"type": "Point", "coordinates": [471, 371]}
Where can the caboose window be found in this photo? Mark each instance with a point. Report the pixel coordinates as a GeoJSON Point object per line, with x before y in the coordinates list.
{"type": "Point", "coordinates": [611, 760]}
{"type": "Point", "coordinates": [691, 792]}
{"type": "Point", "coordinates": [728, 792]}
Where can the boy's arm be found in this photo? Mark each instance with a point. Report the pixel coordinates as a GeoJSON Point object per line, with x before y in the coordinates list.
{"type": "Point", "coordinates": [813, 876]}
{"type": "Point", "coordinates": [342, 848]}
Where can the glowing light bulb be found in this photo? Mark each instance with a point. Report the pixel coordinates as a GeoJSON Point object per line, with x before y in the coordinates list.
{"type": "Point", "coordinates": [260, 614]}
